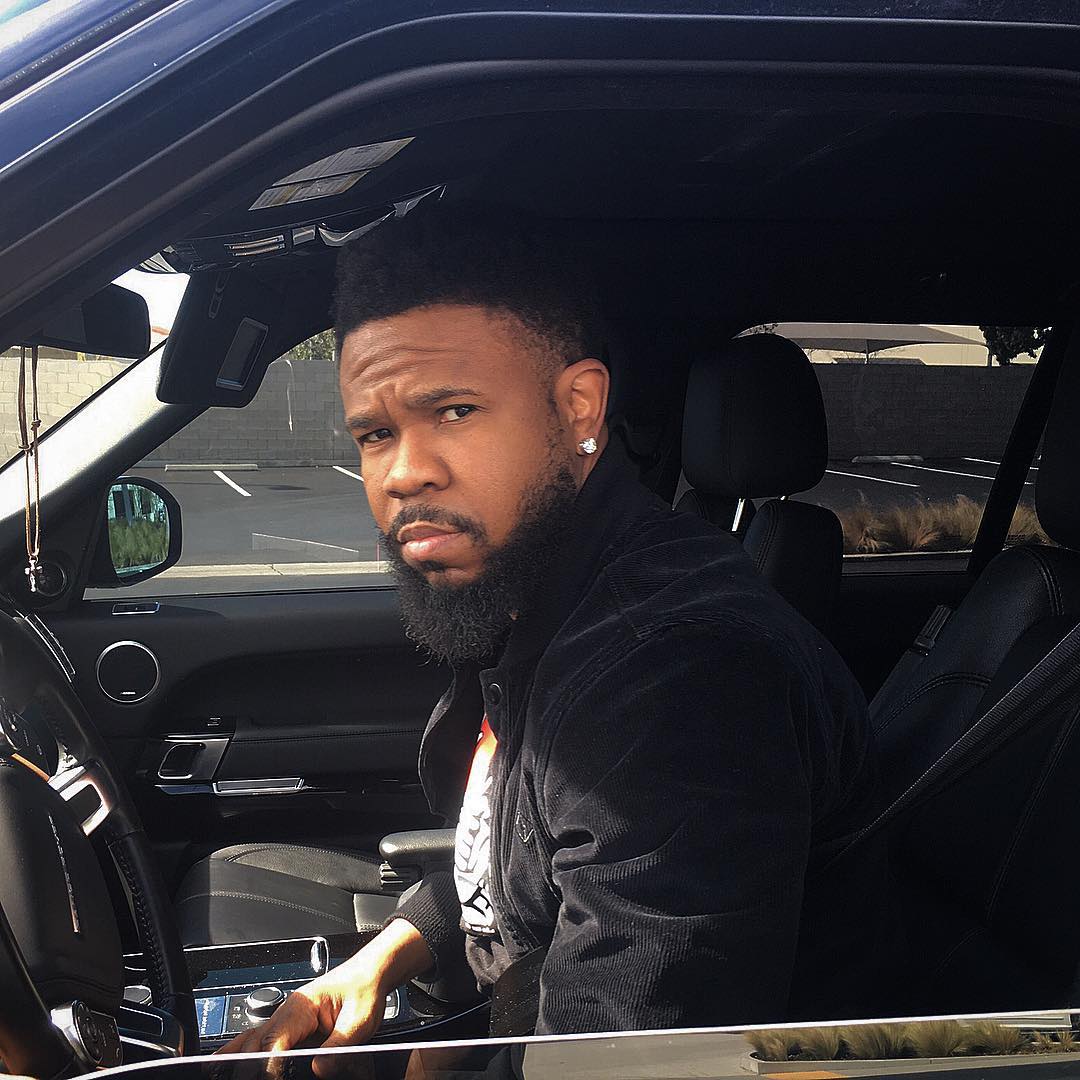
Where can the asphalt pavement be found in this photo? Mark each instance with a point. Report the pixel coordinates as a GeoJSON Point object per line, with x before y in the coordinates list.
{"type": "Point", "coordinates": [274, 528]}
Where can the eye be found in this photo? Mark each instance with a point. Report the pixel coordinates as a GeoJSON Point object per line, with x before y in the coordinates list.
{"type": "Point", "coordinates": [456, 412]}
{"type": "Point", "coordinates": [373, 437]}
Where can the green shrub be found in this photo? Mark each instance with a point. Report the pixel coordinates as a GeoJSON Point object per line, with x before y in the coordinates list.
{"type": "Point", "coordinates": [925, 1039]}
{"type": "Point", "coordinates": [986, 1037]}
{"type": "Point", "coordinates": [818, 1044]}
{"type": "Point", "coordinates": [936, 1038]}
{"type": "Point", "coordinates": [1055, 1042]}
{"type": "Point", "coordinates": [874, 1041]}
{"type": "Point", "coordinates": [143, 543]}
{"type": "Point", "coordinates": [771, 1045]}
{"type": "Point", "coordinates": [942, 525]}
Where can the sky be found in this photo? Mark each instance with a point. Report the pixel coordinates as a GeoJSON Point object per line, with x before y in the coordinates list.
{"type": "Point", "coordinates": [162, 293]}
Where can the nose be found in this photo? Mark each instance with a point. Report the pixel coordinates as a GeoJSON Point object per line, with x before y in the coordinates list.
{"type": "Point", "coordinates": [415, 468]}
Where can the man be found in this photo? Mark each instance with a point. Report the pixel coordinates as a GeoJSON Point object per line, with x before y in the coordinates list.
{"type": "Point", "coordinates": [646, 752]}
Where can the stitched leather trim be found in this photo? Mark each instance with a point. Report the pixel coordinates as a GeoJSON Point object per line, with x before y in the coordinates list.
{"type": "Point", "coordinates": [1046, 572]}
{"type": "Point", "coordinates": [156, 968]}
{"type": "Point", "coordinates": [761, 556]}
{"type": "Point", "coordinates": [255, 849]}
{"type": "Point", "coordinates": [971, 678]}
{"type": "Point", "coordinates": [213, 895]}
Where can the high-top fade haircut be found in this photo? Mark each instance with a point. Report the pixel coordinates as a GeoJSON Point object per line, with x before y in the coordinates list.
{"type": "Point", "coordinates": [472, 256]}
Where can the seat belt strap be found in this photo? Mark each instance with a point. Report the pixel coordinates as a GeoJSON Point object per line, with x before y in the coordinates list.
{"type": "Point", "coordinates": [914, 654]}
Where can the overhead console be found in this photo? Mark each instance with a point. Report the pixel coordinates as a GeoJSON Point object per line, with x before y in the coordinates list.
{"type": "Point", "coordinates": [309, 234]}
{"type": "Point", "coordinates": [237, 316]}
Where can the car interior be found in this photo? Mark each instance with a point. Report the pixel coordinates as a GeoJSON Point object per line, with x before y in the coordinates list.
{"type": "Point", "coordinates": [262, 813]}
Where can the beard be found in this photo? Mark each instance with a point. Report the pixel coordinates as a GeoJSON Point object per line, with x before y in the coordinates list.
{"type": "Point", "coordinates": [471, 622]}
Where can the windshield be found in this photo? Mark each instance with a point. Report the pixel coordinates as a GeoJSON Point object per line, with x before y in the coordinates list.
{"type": "Point", "coordinates": [67, 379]}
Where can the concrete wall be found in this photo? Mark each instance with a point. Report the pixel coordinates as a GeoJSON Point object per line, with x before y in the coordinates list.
{"type": "Point", "coordinates": [296, 419]}
{"type": "Point", "coordinates": [62, 384]}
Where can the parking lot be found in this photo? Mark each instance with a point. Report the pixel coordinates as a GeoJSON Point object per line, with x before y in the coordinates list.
{"type": "Point", "coordinates": [272, 528]}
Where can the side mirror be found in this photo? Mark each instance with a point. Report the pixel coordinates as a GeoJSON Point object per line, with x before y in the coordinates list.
{"type": "Point", "coordinates": [140, 534]}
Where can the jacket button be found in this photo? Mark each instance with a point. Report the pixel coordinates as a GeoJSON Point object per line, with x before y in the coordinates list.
{"type": "Point", "coordinates": [495, 694]}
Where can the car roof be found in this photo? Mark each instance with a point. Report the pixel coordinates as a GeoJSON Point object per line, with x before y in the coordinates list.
{"type": "Point", "coordinates": [926, 183]}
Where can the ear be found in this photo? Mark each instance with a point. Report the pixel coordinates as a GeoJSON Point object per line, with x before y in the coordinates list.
{"type": "Point", "coordinates": [581, 396]}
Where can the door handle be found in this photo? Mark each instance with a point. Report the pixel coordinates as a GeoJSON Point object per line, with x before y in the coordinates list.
{"type": "Point", "coordinates": [188, 757]}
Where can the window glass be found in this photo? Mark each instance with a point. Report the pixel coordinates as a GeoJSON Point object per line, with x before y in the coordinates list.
{"type": "Point", "coordinates": [270, 495]}
{"type": "Point", "coordinates": [918, 416]}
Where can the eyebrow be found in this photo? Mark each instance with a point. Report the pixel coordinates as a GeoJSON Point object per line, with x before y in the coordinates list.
{"type": "Point", "coordinates": [424, 400]}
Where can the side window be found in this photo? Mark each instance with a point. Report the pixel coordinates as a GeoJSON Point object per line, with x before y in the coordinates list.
{"type": "Point", "coordinates": [918, 416]}
{"type": "Point", "coordinates": [270, 495]}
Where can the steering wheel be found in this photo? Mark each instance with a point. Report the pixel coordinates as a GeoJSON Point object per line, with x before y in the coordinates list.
{"type": "Point", "coordinates": [61, 960]}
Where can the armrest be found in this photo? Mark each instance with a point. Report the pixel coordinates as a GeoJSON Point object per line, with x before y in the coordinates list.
{"type": "Point", "coordinates": [408, 856]}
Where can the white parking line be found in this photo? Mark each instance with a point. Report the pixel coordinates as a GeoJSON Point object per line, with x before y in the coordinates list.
{"type": "Point", "coordinates": [876, 479]}
{"type": "Point", "coordinates": [950, 472]}
{"type": "Point", "coordinates": [986, 461]}
{"type": "Point", "coordinates": [232, 483]}
{"type": "Point", "coordinates": [355, 476]}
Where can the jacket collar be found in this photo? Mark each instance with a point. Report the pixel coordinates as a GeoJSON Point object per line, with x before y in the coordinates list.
{"type": "Point", "coordinates": [609, 503]}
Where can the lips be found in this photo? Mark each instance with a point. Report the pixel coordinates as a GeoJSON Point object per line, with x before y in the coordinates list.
{"type": "Point", "coordinates": [421, 541]}
{"type": "Point", "coordinates": [421, 530]}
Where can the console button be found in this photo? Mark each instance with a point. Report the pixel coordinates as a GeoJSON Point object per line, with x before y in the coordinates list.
{"type": "Point", "coordinates": [261, 1003]}
{"type": "Point", "coordinates": [236, 1017]}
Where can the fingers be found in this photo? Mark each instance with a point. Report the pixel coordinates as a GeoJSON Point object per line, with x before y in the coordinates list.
{"type": "Point", "coordinates": [296, 1020]}
{"type": "Point", "coordinates": [357, 1021]}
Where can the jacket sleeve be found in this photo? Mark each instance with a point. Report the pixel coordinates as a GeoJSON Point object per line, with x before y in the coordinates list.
{"type": "Point", "coordinates": [434, 910]}
{"type": "Point", "coordinates": [677, 803]}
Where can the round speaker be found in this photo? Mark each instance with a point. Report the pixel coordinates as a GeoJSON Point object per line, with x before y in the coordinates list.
{"type": "Point", "coordinates": [128, 672]}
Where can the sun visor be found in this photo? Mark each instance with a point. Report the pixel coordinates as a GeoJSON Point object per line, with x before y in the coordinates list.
{"type": "Point", "coordinates": [231, 325]}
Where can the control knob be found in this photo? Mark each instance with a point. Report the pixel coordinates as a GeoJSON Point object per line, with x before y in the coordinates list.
{"type": "Point", "coordinates": [261, 1003]}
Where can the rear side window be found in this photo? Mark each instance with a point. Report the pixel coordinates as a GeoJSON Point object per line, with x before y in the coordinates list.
{"type": "Point", "coordinates": [918, 417]}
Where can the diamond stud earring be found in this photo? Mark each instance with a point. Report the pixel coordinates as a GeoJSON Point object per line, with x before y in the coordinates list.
{"type": "Point", "coordinates": [587, 446]}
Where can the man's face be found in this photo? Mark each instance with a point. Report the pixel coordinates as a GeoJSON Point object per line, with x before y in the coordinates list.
{"type": "Point", "coordinates": [457, 426]}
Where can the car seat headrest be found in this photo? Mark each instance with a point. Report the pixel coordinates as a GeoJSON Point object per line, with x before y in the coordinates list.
{"type": "Point", "coordinates": [754, 423]}
{"type": "Point", "coordinates": [1057, 487]}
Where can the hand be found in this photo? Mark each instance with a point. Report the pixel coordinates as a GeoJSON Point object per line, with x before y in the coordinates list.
{"type": "Point", "coordinates": [345, 1006]}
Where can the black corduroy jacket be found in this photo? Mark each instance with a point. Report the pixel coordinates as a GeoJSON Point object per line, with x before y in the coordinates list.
{"type": "Point", "coordinates": [678, 752]}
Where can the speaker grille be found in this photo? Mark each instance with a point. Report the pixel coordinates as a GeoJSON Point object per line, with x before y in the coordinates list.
{"type": "Point", "coordinates": [128, 672]}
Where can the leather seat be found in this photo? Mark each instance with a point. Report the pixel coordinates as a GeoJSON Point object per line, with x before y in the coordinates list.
{"type": "Point", "coordinates": [754, 427]}
{"type": "Point", "coordinates": [986, 858]}
{"type": "Point", "coordinates": [263, 892]}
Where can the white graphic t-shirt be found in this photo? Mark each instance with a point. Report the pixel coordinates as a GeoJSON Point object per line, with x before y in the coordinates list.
{"type": "Point", "coordinates": [472, 847]}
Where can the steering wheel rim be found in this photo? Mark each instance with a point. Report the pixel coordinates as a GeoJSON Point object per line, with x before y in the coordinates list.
{"type": "Point", "coordinates": [30, 664]}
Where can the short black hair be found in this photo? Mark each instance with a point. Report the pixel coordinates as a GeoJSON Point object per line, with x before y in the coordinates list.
{"type": "Point", "coordinates": [461, 254]}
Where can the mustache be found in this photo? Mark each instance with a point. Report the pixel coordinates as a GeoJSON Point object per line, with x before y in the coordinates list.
{"type": "Point", "coordinates": [436, 516]}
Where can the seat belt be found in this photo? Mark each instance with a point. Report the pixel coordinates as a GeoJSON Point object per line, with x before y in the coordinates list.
{"type": "Point", "coordinates": [1054, 676]}
{"type": "Point", "coordinates": [914, 655]}
{"type": "Point", "coordinates": [515, 997]}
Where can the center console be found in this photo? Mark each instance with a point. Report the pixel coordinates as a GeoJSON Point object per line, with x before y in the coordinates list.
{"type": "Point", "coordinates": [239, 986]}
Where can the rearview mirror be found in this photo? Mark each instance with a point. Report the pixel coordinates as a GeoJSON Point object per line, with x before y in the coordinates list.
{"type": "Point", "coordinates": [140, 533]}
{"type": "Point", "coordinates": [112, 322]}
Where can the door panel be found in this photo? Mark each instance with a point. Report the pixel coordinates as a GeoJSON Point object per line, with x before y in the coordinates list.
{"type": "Point", "coordinates": [321, 686]}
